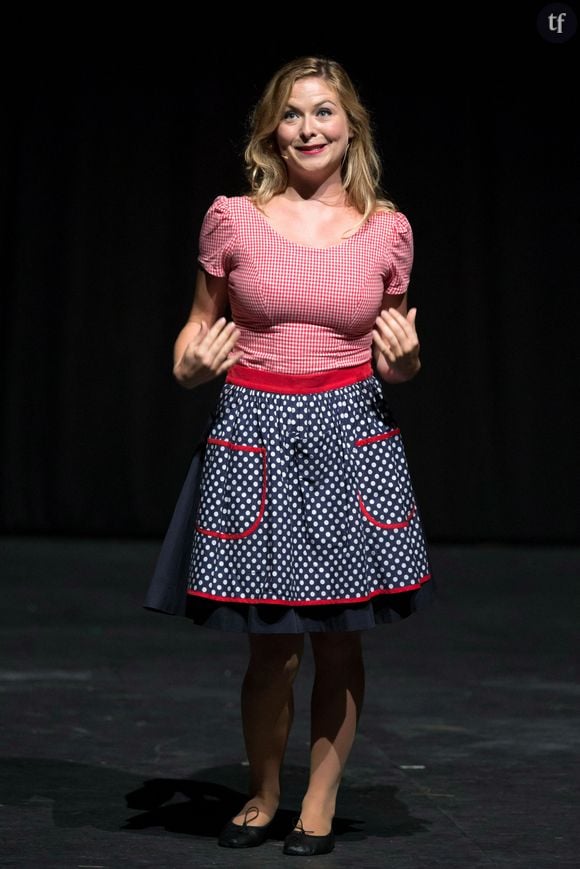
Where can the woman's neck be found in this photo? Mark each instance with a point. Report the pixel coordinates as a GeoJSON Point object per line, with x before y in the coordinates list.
{"type": "Point", "coordinates": [329, 192]}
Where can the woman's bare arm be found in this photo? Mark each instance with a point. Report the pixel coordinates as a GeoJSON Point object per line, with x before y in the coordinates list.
{"type": "Point", "coordinates": [395, 340]}
{"type": "Point", "coordinates": [202, 348]}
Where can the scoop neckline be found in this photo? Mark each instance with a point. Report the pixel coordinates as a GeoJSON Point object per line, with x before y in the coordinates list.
{"type": "Point", "coordinates": [297, 243]}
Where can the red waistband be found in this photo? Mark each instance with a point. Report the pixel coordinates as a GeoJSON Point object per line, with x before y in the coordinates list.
{"type": "Point", "coordinates": [272, 381]}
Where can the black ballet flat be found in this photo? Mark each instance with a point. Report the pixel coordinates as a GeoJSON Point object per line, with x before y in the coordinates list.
{"type": "Point", "coordinates": [243, 836]}
{"type": "Point", "coordinates": [299, 843]}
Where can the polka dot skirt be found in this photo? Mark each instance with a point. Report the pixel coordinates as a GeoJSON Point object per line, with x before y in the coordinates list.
{"type": "Point", "coordinates": [306, 517]}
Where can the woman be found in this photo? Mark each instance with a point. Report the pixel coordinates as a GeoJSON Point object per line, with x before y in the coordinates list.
{"type": "Point", "coordinates": [302, 517]}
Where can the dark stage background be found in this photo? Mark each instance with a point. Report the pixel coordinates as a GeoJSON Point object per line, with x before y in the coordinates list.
{"type": "Point", "coordinates": [114, 149]}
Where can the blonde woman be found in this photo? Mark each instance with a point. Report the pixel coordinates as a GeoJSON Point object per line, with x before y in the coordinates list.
{"type": "Point", "coordinates": [298, 516]}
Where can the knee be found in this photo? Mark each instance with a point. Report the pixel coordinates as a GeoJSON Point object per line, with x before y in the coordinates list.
{"type": "Point", "coordinates": [337, 651]}
{"type": "Point", "coordinates": [273, 658]}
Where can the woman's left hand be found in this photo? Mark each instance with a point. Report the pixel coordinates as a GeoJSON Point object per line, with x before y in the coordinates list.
{"type": "Point", "coordinates": [396, 338]}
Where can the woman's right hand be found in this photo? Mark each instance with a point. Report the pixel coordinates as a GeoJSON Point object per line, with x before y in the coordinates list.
{"type": "Point", "coordinates": [207, 355]}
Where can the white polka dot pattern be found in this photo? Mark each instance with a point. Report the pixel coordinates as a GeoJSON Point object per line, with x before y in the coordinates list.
{"type": "Point", "coordinates": [306, 498]}
{"type": "Point", "coordinates": [304, 309]}
{"type": "Point", "coordinates": [234, 469]}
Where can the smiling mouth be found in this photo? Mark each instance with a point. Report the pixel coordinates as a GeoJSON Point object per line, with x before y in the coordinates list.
{"type": "Point", "coordinates": [311, 149]}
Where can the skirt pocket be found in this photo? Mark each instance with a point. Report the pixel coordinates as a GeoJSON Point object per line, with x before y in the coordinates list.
{"type": "Point", "coordinates": [385, 494]}
{"type": "Point", "coordinates": [233, 490]}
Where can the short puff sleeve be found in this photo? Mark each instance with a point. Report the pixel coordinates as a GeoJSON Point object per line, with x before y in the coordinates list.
{"type": "Point", "coordinates": [216, 238]}
{"type": "Point", "coordinates": [401, 256]}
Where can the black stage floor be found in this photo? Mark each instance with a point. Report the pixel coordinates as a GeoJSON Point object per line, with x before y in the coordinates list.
{"type": "Point", "coordinates": [122, 743]}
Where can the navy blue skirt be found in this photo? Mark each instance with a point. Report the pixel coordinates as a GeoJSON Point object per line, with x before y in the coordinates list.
{"type": "Point", "coordinates": [298, 512]}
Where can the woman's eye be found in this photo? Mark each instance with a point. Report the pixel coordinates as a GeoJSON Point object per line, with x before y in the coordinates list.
{"type": "Point", "coordinates": [290, 114]}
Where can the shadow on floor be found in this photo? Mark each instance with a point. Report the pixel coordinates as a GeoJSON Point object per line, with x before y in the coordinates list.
{"type": "Point", "coordinates": [99, 797]}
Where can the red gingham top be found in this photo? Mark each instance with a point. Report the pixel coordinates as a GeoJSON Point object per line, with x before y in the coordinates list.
{"type": "Point", "coordinates": [303, 309]}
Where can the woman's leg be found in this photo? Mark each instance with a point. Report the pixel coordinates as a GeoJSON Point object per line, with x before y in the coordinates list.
{"type": "Point", "coordinates": [267, 713]}
{"type": "Point", "coordinates": [336, 705]}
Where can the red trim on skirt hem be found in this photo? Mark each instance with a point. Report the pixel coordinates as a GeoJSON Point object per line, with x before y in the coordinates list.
{"type": "Point", "coordinates": [273, 381]}
{"type": "Point", "coordinates": [311, 602]}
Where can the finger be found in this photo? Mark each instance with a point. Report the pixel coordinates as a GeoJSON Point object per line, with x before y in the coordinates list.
{"type": "Point", "coordinates": [217, 327]}
{"type": "Point", "coordinates": [226, 338]}
{"type": "Point", "coordinates": [390, 337]}
{"type": "Point", "coordinates": [212, 335]}
{"type": "Point", "coordinates": [224, 343]}
{"type": "Point", "coordinates": [383, 347]}
{"type": "Point", "coordinates": [397, 322]}
{"type": "Point", "coordinates": [400, 345]}
{"type": "Point", "coordinates": [219, 333]}
{"type": "Point", "coordinates": [229, 362]}
{"type": "Point", "coordinates": [412, 316]}
{"type": "Point", "coordinates": [215, 331]}
{"type": "Point", "coordinates": [402, 318]}
{"type": "Point", "coordinates": [201, 341]}
{"type": "Point", "coordinates": [225, 349]}
{"type": "Point", "coordinates": [404, 330]}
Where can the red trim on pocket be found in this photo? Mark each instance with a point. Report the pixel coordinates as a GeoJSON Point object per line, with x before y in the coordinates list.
{"type": "Point", "coordinates": [380, 437]}
{"type": "Point", "coordinates": [388, 525]}
{"type": "Point", "coordinates": [223, 535]}
{"type": "Point", "coordinates": [233, 446]}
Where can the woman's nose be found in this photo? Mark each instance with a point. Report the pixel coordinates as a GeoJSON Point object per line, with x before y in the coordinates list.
{"type": "Point", "coordinates": [308, 128]}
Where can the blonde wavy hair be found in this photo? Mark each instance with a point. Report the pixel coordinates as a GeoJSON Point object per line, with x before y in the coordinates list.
{"type": "Point", "coordinates": [361, 168]}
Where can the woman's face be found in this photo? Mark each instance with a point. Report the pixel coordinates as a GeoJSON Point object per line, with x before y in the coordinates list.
{"type": "Point", "coordinates": [314, 132]}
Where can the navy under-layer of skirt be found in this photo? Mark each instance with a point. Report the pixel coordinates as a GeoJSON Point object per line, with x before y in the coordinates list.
{"type": "Point", "coordinates": [297, 515]}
